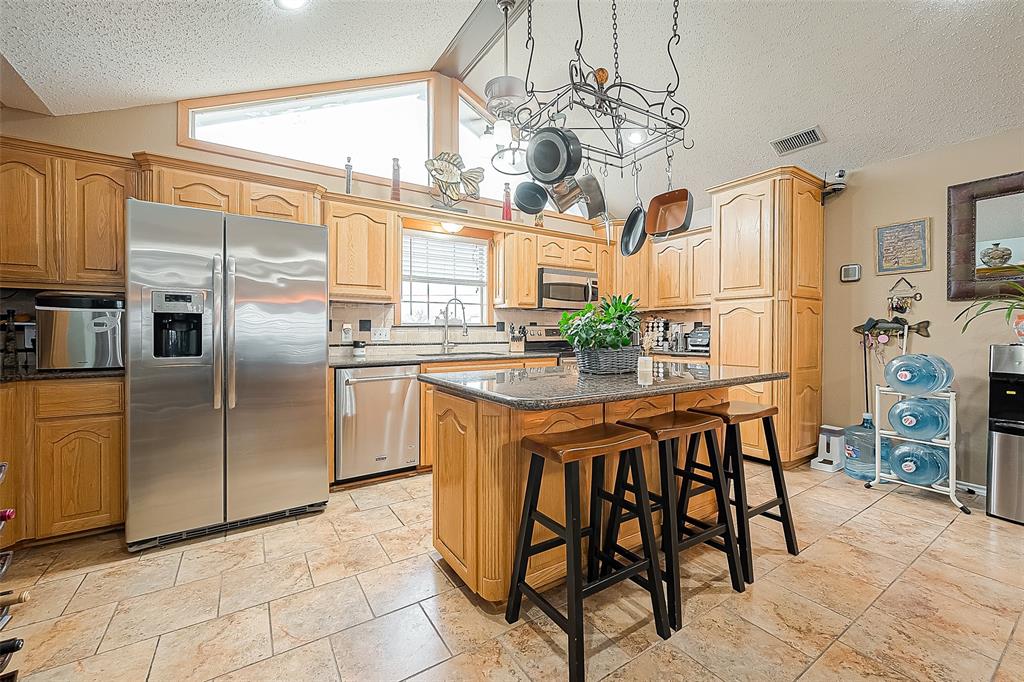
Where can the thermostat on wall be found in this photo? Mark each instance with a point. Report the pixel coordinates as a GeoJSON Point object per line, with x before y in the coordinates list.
{"type": "Point", "coordinates": [849, 272]}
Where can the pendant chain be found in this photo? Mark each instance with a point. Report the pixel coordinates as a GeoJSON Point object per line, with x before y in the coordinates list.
{"type": "Point", "coordinates": [615, 36]}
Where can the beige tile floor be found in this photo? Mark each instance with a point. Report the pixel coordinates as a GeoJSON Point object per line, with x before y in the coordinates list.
{"type": "Point", "coordinates": [890, 584]}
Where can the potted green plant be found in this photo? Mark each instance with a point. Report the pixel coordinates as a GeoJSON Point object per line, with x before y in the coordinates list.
{"type": "Point", "coordinates": [1011, 305]}
{"type": "Point", "coordinates": [602, 335]}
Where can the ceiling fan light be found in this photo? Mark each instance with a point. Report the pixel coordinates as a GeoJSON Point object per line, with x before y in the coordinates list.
{"type": "Point", "coordinates": [504, 94]}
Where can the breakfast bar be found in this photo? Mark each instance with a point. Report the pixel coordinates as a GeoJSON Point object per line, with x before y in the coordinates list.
{"type": "Point", "coordinates": [474, 429]}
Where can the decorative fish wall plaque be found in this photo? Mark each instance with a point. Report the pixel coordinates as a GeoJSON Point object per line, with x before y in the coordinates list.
{"type": "Point", "coordinates": [453, 181]}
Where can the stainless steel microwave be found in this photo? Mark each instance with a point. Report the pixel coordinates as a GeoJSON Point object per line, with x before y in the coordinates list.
{"type": "Point", "coordinates": [79, 331]}
{"type": "Point", "coordinates": [565, 289]}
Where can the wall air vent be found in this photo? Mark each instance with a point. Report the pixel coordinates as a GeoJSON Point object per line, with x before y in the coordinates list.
{"type": "Point", "coordinates": [800, 140]}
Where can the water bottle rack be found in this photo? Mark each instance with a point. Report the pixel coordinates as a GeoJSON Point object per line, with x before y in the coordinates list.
{"type": "Point", "coordinates": [949, 443]}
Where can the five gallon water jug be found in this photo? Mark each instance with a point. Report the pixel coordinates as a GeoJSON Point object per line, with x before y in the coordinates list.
{"type": "Point", "coordinates": [919, 464]}
{"type": "Point", "coordinates": [860, 450]}
{"type": "Point", "coordinates": [918, 374]}
{"type": "Point", "coordinates": [920, 418]}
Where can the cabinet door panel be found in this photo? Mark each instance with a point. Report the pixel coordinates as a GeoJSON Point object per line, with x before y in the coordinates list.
{"type": "Point", "coordinates": [183, 188]}
{"type": "Point", "coordinates": [28, 221]}
{"type": "Point", "coordinates": [582, 256]}
{"type": "Point", "coordinates": [267, 201]}
{"type": "Point", "coordinates": [364, 253]}
{"type": "Point", "coordinates": [700, 273]}
{"type": "Point", "coordinates": [94, 227]}
{"type": "Point", "coordinates": [744, 221]}
{"type": "Point", "coordinates": [808, 241]}
{"type": "Point", "coordinates": [525, 279]}
{"type": "Point", "coordinates": [668, 280]}
{"type": "Point", "coordinates": [78, 474]}
{"type": "Point", "coordinates": [605, 270]}
{"type": "Point", "coordinates": [454, 437]}
{"type": "Point", "coordinates": [553, 252]}
{"type": "Point", "coordinates": [633, 275]}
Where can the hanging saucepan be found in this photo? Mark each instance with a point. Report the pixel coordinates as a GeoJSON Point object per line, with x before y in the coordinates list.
{"type": "Point", "coordinates": [584, 189]}
{"type": "Point", "coordinates": [530, 197]}
{"type": "Point", "coordinates": [553, 155]}
{"type": "Point", "coordinates": [633, 233]}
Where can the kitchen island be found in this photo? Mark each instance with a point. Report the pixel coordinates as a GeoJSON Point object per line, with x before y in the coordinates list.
{"type": "Point", "coordinates": [477, 422]}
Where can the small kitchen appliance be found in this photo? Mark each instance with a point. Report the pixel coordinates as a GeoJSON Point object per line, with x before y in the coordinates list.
{"type": "Point", "coordinates": [559, 289]}
{"type": "Point", "coordinates": [831, 442]}
{"type": "Point", "coordinates": [698, 341]}
{"type": "Point", "coordinates": [79, 331]}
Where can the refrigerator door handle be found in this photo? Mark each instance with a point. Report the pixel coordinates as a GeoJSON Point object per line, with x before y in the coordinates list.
{"type": "Point", "coordinates": [218, 341]}
{"type": "Point", "coordinates": [229, 330]}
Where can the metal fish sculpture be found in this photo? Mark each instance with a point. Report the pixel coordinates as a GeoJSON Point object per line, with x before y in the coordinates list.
{"type": "Point", "coordinates": [454, 181]}
{"type": "Point", "coordinates": [893, 326]}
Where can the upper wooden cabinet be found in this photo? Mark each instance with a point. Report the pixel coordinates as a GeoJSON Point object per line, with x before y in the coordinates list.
{"type": "Point", "coordinates": [682, 271]}
{"type": "Point", "coordinates": [28, 220]}
{"type": "Point", "coordinates": [562, 252]}
{"type": "Point", "coordinates": [700, 275]}
{"type": "Point", "coordinates": [196, 190]}
{"type": "Point", "coordinates": [515, 264]}
{"type": "Point", "coordinates": [808, 238]}
{"type": "Point", "coordinates": [364, 253]}
{"type": "Point", "coordinates": [267, 201]}
{"type": "Point", "coordinates": [606, 268]}
{"type": "Point", "coordinates": [743, 226]}
{"type": "Point", "coordinates": [582, 256]}
{"type": "Point", "coordinates": [633, 275]}
{"type": "Point", "coordinates": [94, 221]}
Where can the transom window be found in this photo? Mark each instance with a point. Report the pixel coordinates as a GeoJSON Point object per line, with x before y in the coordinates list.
{"type": "Point", "coordinates": [437, 268]}
{"type": "Point", "coordinates": [371, 125]}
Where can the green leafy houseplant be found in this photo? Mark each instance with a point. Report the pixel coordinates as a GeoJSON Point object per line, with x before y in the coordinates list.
{"type": "Point", "coordinates": [610, 324]}
{"type": "Point", "coordinates": [1008, 304]}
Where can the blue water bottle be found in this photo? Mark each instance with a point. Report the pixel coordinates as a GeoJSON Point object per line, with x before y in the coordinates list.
{"type": "Point", "coordinates": [917, 374]}
{"type": "Point", "coordinates": [860, 449]}
{"type": "Point", "coordinates": [919, 464]}
{"type": "Point", "coordinates": [920, 418]}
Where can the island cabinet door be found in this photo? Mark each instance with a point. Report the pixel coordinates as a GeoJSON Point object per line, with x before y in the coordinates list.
{"type": "Point", "coordinates": [744, 337]}
{"type": "Point", "coordinates": [454, 436]}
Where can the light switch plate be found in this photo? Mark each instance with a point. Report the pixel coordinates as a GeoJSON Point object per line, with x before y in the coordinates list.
{"type": "Point", "coordinates": [380, 334]}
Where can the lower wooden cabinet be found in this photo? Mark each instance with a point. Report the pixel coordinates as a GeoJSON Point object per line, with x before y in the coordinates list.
{"type": "Point", "coordinates": [79, 464]}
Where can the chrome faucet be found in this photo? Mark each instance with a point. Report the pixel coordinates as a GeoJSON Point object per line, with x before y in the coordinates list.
{"type": "Point", "coordinates": [449, 345]}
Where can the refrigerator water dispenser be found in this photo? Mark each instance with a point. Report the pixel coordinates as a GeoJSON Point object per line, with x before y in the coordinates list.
{"type": "Point", "coordinates": [177, 324]}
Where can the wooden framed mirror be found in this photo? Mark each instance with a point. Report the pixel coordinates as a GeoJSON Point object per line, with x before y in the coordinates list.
{"type": "Point", "coordinates": [986, 237]}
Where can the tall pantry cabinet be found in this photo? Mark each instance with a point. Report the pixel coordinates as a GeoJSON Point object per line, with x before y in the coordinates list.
{"type": "Point", "coordinates": [767, 301]}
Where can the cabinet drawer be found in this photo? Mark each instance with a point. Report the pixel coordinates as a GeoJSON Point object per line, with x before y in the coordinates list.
{"type": "Point", "coordinates": [72, 398]}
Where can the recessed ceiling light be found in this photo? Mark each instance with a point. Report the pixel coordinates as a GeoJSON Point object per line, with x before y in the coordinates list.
{"type": "Point", "coordinates": [451, 228]}
{"type": "Point", "coordinates": [291, 4]}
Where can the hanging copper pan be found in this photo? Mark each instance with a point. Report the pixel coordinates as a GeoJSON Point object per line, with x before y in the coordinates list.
{"type": "Point", "coordinates": [669, 213]}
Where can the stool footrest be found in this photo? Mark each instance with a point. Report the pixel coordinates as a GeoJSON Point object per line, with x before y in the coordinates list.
{"type": "Point", "coordinates": [547, 607]}
{"type": "Point", "coordinates": [622, 572]}
{"type": "Point", "coordinates": [549, 523]}
{"type": "Point", "coordinates": [765, 506]}
{"type": "Point", "coordinates": [545, 545]}
{"type": "Point", "coordinates": [698, 537]}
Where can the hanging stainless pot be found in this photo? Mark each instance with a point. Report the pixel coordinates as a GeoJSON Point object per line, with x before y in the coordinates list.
{"type": "Point", "coordinates": [530, 197]}
{"type": "Point", "coordinates": [584, 189]}
{"type": "Point", "coordinates": [593, 196]}
{"type": "Point", "coordinates": [553, 155]}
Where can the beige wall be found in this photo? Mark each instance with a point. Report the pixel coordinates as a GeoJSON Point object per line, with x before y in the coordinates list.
{"type": "Point", "coordinates": [153, 129]}
{"type": "Point", "coordinates": [885, 193]}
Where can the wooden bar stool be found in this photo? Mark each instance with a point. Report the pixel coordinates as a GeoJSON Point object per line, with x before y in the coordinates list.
{"type": "Point", "coordinates": [679, 530]}
{"type": "Point", "coordinates": [733, 414]}
{"type": "Point", "coordinates": [569, 448]}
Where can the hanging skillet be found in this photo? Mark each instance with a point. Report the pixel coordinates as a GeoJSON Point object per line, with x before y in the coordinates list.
{"type": "Point", "coordinates": [669, 213]}
{"type": "Point", "coordinates": [553, 154]}
{"type": "Point", "coordinates": [633, 233]}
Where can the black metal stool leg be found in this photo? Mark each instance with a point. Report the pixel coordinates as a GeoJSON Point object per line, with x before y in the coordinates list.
{"type": "Point", "coordinates": [649, 545]}
{"type": "Point", "coordinates": [596, 508]}
{"type": "Point", "coordinates": [670, 530]}
{"type": "Point", "coordinates": [573, 574]}
{"type": "Point", "coordinates": [611, 534]}
{"type": "Point", "coordinates": [734, 455]}
{"type": "Point", "coordinates": [692, 446]}
{"type": "Point", "coordinates": [524, 539]}
{"type": "Point", "coordinates": [785, 514]}
{"type": "Point", "coordinates": [724, 514]}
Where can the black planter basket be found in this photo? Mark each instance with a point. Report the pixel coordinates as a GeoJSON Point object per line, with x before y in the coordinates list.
{"type": "Point", "coordinates": [608, 360]}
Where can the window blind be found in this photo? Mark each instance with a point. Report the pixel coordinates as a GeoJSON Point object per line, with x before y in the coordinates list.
{"type": "Point", "coordinates": [443, 259]}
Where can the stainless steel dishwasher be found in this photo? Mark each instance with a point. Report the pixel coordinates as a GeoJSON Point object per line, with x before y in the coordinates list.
{"type": "Point", "coordinates": [377, 420]}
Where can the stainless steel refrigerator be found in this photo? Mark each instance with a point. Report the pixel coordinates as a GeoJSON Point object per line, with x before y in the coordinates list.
{"type": "Point", "coordinates": [226, 330]}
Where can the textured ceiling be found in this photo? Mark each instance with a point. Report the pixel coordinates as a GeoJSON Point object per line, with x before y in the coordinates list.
{"type": "Point", "coordinates": [95, 55]}
{"type": "Point", "coordinates": [882, 79]}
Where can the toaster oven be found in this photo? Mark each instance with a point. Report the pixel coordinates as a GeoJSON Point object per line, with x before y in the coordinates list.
{"type": "Point", "coordinates": [79, 331]}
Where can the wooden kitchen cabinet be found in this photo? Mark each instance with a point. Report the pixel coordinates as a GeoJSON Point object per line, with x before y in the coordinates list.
{"type": "Point", "coordinates": [515, 264]}
{"type": "Point", "coordinates": [267, 201]}
{"type": "Point", "coordinates": [455, 486]}
{"type": "Point", "coordinates": [28, 217]}
{"type": "Point", "coordinates": [668, 273]}
{"type": "Point", "coordinates": [606, 269]}
{"type": "Point", "coordinates": [552, 252]}
{"type": "Point", "coordinates": [94, 221]}
{"type": "Point", "coordinates": [700, 271]}
{"type": "Point", "coordinates": [78, 474]}
{"type": "Point", "coordinates": [364, 253]}
{"type": "Point", "coordinates": [743, 219]}
{"type": "Point", "coordinates": [197, 190]}
{"type": "Point", "coordinates": [582, 256]}
{"type": "Point", "coordinates": [633, 273]}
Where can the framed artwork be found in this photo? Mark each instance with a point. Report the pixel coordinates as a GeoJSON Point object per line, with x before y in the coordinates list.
{"type": "Point", "coordinates": [903, 247]}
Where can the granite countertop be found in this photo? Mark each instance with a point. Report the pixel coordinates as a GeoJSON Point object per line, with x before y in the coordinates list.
{"type": "Point", "coordinates": [549, 388]}
{"type": "Point", "coordinates": [421, 357]}
{"type": "Point", "coordinates": [33, 374]}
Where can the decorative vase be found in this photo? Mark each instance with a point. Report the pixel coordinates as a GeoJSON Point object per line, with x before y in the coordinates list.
{"type": "Point", "coordinates": [506, 204]}
{"type": "Point", "coordinates": [995, 255]}
{"type": "Point", "coordinates": [608, 360]}
{"type": "Point", "coordinates": [396, 180]}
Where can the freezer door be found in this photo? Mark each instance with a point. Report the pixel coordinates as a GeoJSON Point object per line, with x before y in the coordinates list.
{"type": "Point", "coordinates": [175, 425]}
{"type": "Point", "coordinates": [275, 336]}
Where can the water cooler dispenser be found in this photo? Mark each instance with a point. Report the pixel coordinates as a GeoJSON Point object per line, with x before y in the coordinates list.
{"type": "Point", "coordinates": [1006, 433]}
